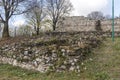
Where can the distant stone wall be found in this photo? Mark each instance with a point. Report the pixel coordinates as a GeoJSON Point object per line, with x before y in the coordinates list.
{"type": "Point", "coordinates": [77, 23]}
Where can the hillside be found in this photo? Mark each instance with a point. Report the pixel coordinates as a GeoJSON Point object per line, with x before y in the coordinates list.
{"type": "Point", "coordinates": [49, 52]}
{"type": "Point", "coordinates": [102, 64]}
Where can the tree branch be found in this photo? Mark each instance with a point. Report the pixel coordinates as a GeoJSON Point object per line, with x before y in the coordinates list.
{"type": "Point", "coordinates": [1, 19]}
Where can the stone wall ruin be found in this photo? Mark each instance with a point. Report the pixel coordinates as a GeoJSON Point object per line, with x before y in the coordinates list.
{"type": "Point", "coordinates": [81, 23]}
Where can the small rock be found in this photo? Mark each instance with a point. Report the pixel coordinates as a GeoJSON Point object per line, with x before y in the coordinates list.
{"type": "Point", "coordinates": [91, 59]}
{"type": "Point", "coordinates": [78, 70]}
{"type": "Point", "coordinates": [63, 54]}
{"type": "Point", "coordinates": [14, 49]}
{"type": "Point", "coordinates": [58, 70]}
{"type": "Point", "coordinates": [68, 51]}
{"type": "Point", "coordinates": [75, 60]}
{"type": "Point", "coordinates": [26, 53]}
{"type": "Point", "coordinates": [25, 57]}
{"type": "Point", "coordinates": [35, 63]}
{"type": "Point", "coordinates": [82, 63]}
{"type": "Point", "coordinates": [85, 68]}
{"type": "Point", "coordinates": [38, 59]}
{"type": "Point", "coordinates": [14, 56]}
{"type": "Point", "coordinates": [15, 63]}
{"type": "Point", "coordinates": [63, 50]}
{"type": "Point", "coordinates": [36, 52]}
{"type": "Point", "coordinates": [53, 51]}
{"type": "Point", "coordinates": [65, 62]}
{"type": "Point", "coordinates": [72, 63]}
{"type": "Point", "coordinates": [63, 67]}
{"type": "Point", "coordinates": [78, 67]}
{"type": "Point", "coordinates": [6, 46]}
{"type": "Point", "coordinates": [54, 55]}
{"type": "Point", "coordinates": [72, 68]}
{"type": "Point", "coordinates": [41, 69]}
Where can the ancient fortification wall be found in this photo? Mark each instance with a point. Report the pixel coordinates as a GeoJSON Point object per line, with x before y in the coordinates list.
{"type": "Point", "coordinates": [80, 23]}
{"type": "Point", "coordinates": [45, 53]}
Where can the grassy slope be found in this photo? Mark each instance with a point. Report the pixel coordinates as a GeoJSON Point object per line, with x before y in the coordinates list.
{"type": "Point", "coordinates": [104, 64]}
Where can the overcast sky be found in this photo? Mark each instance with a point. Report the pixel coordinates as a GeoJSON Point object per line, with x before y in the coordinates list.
{"type": "Point", "coordinates": [84, 7]}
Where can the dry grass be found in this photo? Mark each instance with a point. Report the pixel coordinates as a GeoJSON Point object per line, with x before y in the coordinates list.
{"type": "Point", "coordinates": [106, 61]}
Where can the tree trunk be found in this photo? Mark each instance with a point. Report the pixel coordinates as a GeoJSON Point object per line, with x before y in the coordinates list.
{"type": "Point", "coordinates": [37, 32]}
{"type": "Point", "coordinates": [54, 26]}
{"type": "Point", "coordinates": [6, 30]}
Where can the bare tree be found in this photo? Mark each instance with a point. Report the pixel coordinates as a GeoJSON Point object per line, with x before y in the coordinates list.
{"type": "Point", "coordinates": [57, 9]}
{"type": "Point", "coordinates": [96, 15]}
{"type": "Point", "coordinates": [108, 17]}
{"type": "Point", "coordinates": [8, 8]}
{"type": "Point", "coordinates": [24, 30]}
{"type": "Point", "coordinates": [0, 27]}
{"type": "Point", "coordinates": [36, 14]}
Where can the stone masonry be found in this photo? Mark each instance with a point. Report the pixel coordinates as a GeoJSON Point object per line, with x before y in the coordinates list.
{"type": "Point", "coordinates": [81, 23]}
{"type": "Point", "coordinates": [55, 53]}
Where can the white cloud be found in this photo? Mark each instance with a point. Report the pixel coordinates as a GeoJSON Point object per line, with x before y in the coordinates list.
{"type": "Point", "coordinates": [83, 7]}
{"type": "Point", "coordinates": [19, 23]}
